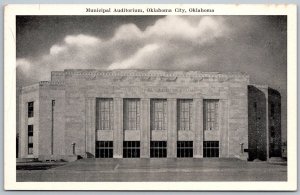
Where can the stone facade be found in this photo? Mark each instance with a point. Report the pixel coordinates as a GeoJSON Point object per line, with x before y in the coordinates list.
{"type": "Point", "coordinates": [264, 127]}
{"type": "Point", "coordinates": [68, 128]}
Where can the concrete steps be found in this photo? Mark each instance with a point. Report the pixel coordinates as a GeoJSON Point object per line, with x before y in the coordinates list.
{"type": "Point", "coordinates": [277, 160]}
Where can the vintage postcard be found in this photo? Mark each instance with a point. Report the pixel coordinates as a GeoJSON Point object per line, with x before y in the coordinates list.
{"type": "Point", "coordinates": [150, 97]}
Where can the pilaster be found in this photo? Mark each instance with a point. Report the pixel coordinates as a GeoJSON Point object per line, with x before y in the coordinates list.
{"type": "Point", "coordinates": [198, 127]}
{"type": "Point", "coordinates": [23, 146]}
{"type": "Point", "coordinates": [145, 128]}
{"type": "Point", "coordinates": [172, 128]}
{"type": "Point", "coordinates": [90, 126]}
{"type": "Point", "coordinates": [118, 128]}
{"type": "Point", "coordinates": [223, 128]}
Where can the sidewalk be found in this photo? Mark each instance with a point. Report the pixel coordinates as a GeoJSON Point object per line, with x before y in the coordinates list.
{"type": "Point", "coordinates": [158, 170]}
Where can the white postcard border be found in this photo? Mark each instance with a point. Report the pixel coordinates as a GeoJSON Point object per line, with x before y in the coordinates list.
{"type": "Point", "coordinates": [72, 9]}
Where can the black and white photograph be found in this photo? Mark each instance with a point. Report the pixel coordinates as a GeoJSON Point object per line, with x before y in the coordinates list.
{"type": "Point", "coordinates": [151, 94]}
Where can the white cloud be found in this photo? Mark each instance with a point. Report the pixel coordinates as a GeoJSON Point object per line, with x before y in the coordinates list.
{"type": "Point", "coordinates": [23, 64]}
{"type": "Point", "coordinates": [56, 49]}
{"type": "Point", "coordinates": [182, 28]}
{"type": "Point", "coordinates": [127, 31]}
{"type": "Point", "coordinates": [171, 26]}
{"type": "Point", "coordinates": [137, 59]}
{"type": "Point", "coordinates": [172, 42]}
{"type": "Point", "coordinates": [81, 40]}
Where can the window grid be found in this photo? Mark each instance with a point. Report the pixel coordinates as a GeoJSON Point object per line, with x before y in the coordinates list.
{"type": "Point", "coordinates": [272, 110]}
{"type": "Point", "coordinates": [158, 114]}
{"type": "Point", "coordinates": [211, 114]}
{"type": "Point", "coordinates": [158, 149]}
{"type": "Point", "coordinates": [184, 149]}
{"type": "Point", "coordinates": [105, 114]}
{"type": "Point", "coordinates": [184, 114]}
{"type": "Point", "coordinates": [131, 114]}
{"type": "Point", "coordinates": [30, 109]}
{"type": "Point", "coordinates": [30, 139]}
{"type": "Point", "coordinates": [104, 149]}
{"type": "Point", "coordinates": [131, 149]}
{"type": "Point", "coordinates": [210, 149]}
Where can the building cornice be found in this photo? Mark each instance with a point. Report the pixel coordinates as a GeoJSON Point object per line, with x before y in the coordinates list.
{"type": "Point", "coordinates": [156, 73]}
{"type": "Point", "coordinates": [152, 75]}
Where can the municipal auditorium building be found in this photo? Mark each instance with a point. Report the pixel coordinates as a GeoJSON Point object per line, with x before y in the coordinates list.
{"type": "Point", "coordinates": [148, 114]}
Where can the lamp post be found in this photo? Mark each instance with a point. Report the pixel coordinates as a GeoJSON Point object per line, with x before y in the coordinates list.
{"type": "Point", "coordinates": [73, 146]}
{"type": "Point", "coordinates": [242, 148]}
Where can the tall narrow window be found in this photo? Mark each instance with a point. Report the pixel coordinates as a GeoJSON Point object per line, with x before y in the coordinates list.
{"type": "Point", "coordinates": [210, 110]}
{"type": "Point", "coordinates": [158, 114]}
{"type": "Point", "coordinates": [105, 114]}
{"type": "Point", "coordinates": [30, 139]}
{"type": "Point", "coordinates": [30, 109]}
{"type": "Point", "coordinates": [272, 110]}
{"type": "Point", "coordinates": [184, 107]}
{"type": "Point", "coordinates": [131, 114]}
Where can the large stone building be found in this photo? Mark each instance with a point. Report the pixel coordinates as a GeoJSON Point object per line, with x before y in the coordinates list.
{"type": "Point", "coordinates": [148, 114]}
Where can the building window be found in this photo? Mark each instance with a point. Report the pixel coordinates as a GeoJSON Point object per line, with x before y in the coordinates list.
{"type": "Point", "coordinates": [104, 149]}
{"type": "Point", "coordinates": [272, 132]}
{"type": "Point", "coordinates": [255, 105]}
{"type": "Point", "coordinates": [131, 114]}
{"type": "Point", "coordinates": [158, 114]}
{"type": "Point", "coordinates": [105, 114]}
{"type": "Point", "coordinates": [272, 110]}
{"type": "Point", "coordinates": [184, 149]}
{"type": "Point", "coordinates": [30, 139]}
{"type": "Point", "coordinates": [30, 109]}
{"type": "Point", "coordinates": [131, 149]}
{"type": "Point", "coordinates": [184, 114]}
{"type": "Point", "coordinates": [211, 149]}
{"type": "Point", "coordinates": [158, 149]}
{"type": "Point", "coordinates": [210, 114]}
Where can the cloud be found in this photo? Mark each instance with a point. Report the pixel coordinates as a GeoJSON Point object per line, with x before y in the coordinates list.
{"type": "Point", "coordinates": [81, 40]}
{"type": "Point", "coordinates": [75, 41]}
{"type": "Point", "coordinates": [136, 59]}
{"type": "Point", "coordinates": [176, 27]}
{"type": "Point", "coordinates": [23, 64]}
{"type": "Point", "coordinates": [128, 31]}
{"type": "Point", "coordinates": [56, 49]}
{"type": "Point", "coordinates": [172, 42]}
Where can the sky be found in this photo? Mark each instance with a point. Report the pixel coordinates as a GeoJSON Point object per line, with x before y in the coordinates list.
{"type": "Point", "coordinates": [256, 45]}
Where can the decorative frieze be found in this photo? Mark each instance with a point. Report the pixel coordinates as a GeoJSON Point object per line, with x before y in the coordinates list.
{"type": "Point", "coordinates": [119, 78]}
{"type": "Point", "coordinates": [48, 83]}
{"type": "Point", "coordinates": [168, 79]}
{"type": "Point", "coordinates": [196, 79]}
{"type": "Point", "coordinates": [165, 76]}
{"type": "Point", "coordinates": [147, 78]}
{"type": "Point", "coordinates": [30, 88]}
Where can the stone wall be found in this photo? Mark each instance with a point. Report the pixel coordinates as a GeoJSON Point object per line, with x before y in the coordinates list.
{"type": "Point", "coordinates": [257, 114]}
{"type": "Point", "coordinates": [237, 118]}
{"type": "Point", "coordinates": [48, 92]}
{"type": "Point", "coordinates": [82, 87]}
{"type": "Point", "coordinates": [75, 93]}
{"type": "Point", "coordinates": [274, 114]}
{"type": "Point", "coordinates": [28, 94]}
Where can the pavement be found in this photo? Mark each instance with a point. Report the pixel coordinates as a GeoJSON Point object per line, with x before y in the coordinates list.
{"type": "Point", "coordinates": [38, 165]}
{"type": "Point", "coordinates": [136, 170]}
